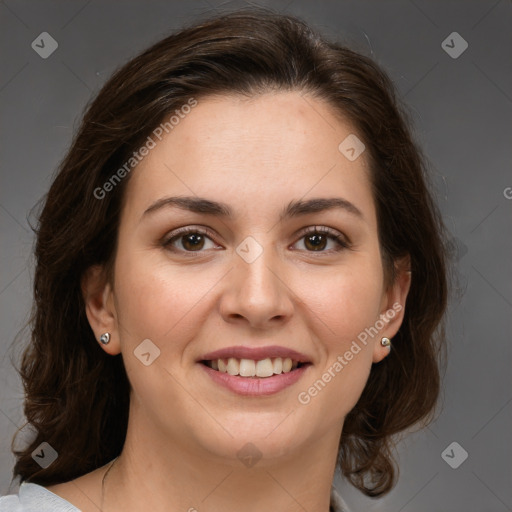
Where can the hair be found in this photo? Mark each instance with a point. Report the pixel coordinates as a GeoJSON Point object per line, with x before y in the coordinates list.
{"type": "Point", "coordinates": [76, 395]}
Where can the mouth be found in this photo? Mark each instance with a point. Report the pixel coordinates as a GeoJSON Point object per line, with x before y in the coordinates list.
{"type": "Point", "coordinates": [251, 368]}
{"type": "Point", "coordinates": [255, 371]}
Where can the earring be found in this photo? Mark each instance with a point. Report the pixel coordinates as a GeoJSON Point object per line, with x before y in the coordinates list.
{"type": "Point", "coordinates": [105, 338]}
{"type": "Point", "coordinates": [385, 342]}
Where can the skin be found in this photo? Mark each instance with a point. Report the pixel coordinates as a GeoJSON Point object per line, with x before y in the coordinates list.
{"type": "Point", "coordinates": [184, 431]}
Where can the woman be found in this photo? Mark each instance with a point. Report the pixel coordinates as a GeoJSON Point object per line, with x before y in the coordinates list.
{"type": "Point", "coordinates": [239, 234]}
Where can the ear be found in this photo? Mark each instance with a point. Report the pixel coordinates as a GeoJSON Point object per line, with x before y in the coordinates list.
{"type": "Point", "coordinates": [99, 307]}
{"type": "Point", "coordinates": [393, 306]}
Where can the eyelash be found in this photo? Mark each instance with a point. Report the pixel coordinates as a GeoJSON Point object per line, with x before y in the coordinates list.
{"type": "Point", "coordinates": [343, 242]}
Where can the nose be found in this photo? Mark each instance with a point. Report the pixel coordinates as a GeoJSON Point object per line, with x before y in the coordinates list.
{"type": "Point", "coordinates": [257, 293]}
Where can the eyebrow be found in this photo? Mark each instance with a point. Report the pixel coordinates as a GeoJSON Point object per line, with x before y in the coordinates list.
{"type": "Point", "coordinates": [219, 209]}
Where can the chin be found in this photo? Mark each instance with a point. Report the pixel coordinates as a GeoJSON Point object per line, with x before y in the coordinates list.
{"type": "Point", "coordinates": [267, 440]}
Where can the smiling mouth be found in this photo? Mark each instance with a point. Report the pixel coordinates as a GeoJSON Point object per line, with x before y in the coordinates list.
{"type": "Point", "coordinates": [250, 368]}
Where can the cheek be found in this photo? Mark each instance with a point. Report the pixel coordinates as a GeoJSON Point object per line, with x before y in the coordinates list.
{"type": "Point", "coordinates": [166, 305]}
{"type": "Point", "coordinates": [159, 301]}
{"type": "Point", "coordinates": [343, 308]}
{"type": "Point", "coordinates": [346, 301]}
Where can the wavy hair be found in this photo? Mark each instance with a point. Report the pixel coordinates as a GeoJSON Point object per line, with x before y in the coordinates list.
{"type": "Point", "coordinates": [77, 396]}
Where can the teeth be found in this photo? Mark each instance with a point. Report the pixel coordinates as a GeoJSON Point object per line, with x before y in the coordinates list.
{"type": "Point", "coordinates": [287, 365]}
{"type": "Point", "coordinates": [264, 368]}
{"type": "Point", "coordinates": [233, 367]}
{"type": "Point", "coordinates": [247, 368]}
{"type": "Point", "coordinates": [250, 368]}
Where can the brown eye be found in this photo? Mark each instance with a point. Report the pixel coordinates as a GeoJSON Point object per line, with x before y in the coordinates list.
{"type": "Point", "coordinates": [317, 239]}
{"type": "Point", "coordinates": [192, 241]}
{"type": "Point", "coordinates": [189, 240]}
{"type": "Point", "coordinates": [315, 242]}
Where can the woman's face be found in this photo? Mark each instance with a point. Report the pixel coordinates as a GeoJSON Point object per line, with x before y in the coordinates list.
{"type": "Point", "coordinates": [264, 283]}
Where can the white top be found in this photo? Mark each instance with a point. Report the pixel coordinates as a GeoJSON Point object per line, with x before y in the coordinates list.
{"type": "Point", "coordinates": [36, 498]}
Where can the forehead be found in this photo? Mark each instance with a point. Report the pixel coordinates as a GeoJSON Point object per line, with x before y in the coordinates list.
{"type": "Point", "coordinates": [264, 151]}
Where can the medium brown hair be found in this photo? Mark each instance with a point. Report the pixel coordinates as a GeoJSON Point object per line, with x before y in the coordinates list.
{"type": "Point", "coordinates": [77, 396]}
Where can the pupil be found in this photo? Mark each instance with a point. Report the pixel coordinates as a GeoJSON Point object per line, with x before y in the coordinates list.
{"type": "Point", "coordinates": [193, 241]}
{"type": "Point", "coordinates": [317, 241]}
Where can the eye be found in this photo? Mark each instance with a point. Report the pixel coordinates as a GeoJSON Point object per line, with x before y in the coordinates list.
{"type": "Point", "coordinates": [316, 239]}
{"type": "Point", "coordinates": [190, 239]}
{"type": "Point", "coordinates": [193, 239]}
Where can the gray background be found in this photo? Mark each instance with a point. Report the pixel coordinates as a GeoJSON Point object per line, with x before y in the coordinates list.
{"type": "Point", "coordinates": [462, 111]}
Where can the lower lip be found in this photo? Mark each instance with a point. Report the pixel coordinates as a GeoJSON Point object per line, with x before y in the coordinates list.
{"type": "Point", "coordinates": [255, 386]}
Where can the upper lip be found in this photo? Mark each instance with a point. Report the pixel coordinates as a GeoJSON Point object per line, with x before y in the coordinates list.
{"type": "Point", "coordinates": [256, 353]}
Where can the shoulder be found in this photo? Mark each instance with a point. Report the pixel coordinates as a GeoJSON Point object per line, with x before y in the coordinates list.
{"type": "Point", "coordinates": [33, 497]}
{"type": "Point", "coordinates": [10, 503]}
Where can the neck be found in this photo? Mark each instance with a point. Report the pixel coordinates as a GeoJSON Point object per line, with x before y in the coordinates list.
{"type": "Point", "coordinates": [154, 472]}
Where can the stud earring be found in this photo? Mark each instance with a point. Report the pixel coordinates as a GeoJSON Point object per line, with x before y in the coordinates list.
{"type": "Point", "coordinates": [105, 338]}
{"type": "Point", "coordinates": [385, 342]}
